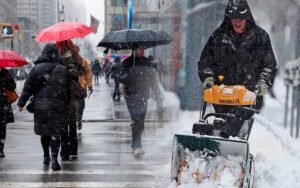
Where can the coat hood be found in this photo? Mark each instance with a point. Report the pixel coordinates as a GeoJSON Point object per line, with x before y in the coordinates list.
{"type": "Point", "coordinates": [237, 9]}
{"type": "Point", "coordinates": [49, 54]}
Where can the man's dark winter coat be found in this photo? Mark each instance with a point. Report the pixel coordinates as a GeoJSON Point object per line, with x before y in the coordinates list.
{"type": "Point", "coordinates": [243, 59]}
{"type": "Point", "coordinates": [6, 83]}
{"type": "Point", "coordinates": [47, 82]}
{"type": "Point", "coordinates": [138, 77]}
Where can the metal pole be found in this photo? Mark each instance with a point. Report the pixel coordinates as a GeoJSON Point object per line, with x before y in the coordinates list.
{"type": "Point", "coordinates": [286, 108]}
{"type": "Point", "coordinates": [129, 16]}
{"type": "Point", "coordinates": [12, 43]}
{"type": "Point", "coordinates": [298, 112]}
{"type": "Point", "coordinates": [58, 16]}
{"type": "Point", "coordinates": [292, 112]}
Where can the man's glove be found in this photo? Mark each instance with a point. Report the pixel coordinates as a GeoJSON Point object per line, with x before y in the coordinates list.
{"type": "Point", "coordinates": [208, 83]}
{"type": "Point", "coordinates": [262, 88]}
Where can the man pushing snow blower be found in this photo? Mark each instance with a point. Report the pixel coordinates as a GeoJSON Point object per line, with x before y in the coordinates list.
{"type": "Point", "coordinates": [239, 52]}
{"type": "Point", "coordinates": [237, 66]}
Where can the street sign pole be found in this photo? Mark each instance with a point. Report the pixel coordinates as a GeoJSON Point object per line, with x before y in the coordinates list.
{"type": "Point", "coordinates": [7, 31]}
{"type": "Point", "coordinates": [12, 43]}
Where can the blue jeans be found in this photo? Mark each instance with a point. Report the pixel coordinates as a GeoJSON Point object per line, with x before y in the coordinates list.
{"type": "Point", "coordinates": [137, 108]}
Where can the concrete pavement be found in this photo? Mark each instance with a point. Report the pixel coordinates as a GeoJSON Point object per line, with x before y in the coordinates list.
{"type": "Point", "coordinates": [105, 158]}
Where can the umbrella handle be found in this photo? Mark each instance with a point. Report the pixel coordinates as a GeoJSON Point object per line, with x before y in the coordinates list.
{"type": "Point", "coordinates": [133, 58]}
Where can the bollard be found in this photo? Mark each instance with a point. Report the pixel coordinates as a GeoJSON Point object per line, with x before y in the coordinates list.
{"type": "Point", "coordinates": [286, 108]}
{"type": "Point", "coordinates": [298, 112]}
{"type": "Point", "coordinates": [292, 82]}
{"type": "Point", "coordinates": [292, 112]}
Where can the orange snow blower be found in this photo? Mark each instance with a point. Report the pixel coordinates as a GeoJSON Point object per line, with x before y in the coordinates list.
{"type": "Point", "coordinates": [236, 96]}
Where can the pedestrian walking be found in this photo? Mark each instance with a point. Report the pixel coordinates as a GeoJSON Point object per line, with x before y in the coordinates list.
{"type": "Point", "coordinates": [241, 53]}
{"type": "Point", "coordinates": [6, 113]}
{"type": "Point", "coordinates": [73, 62]}
{"type": "Point", "coordinates": [138, 76]}
{"type": "Point", "coordinates": [96, 69]}
{"type": "Point", "coordinates": [86, 82]}
{"type": "Point", "coordinates": [47, 84]}
{"type": "Point", "coordinates": [106, 68]}
{"type": "Point", "coordinates": [115, 74]}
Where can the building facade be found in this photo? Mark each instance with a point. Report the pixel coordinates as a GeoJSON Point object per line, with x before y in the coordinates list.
{"type": "Point", "coordinates": [32, 10]}
{"type": "Point", "coordinates": [49, 13]}
{"type": "Point", "coordinates": [33, 16]}
{"type": "Point", "coordinates": [8, 13]}
{"type": "Point", "coordinates": [115, 15]}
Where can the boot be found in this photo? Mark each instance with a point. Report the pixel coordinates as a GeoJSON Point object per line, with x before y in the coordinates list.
{"type": "Point", "coordinates": [2, 153]}
{"type": "Point", "coordinates": [138, 151]}
{"type": "Point", "coordinates": [47, 160]}
{"type": "Point", "coordinates": [79, 125]}
{"type": "Point", "coordinates": [55, 165]}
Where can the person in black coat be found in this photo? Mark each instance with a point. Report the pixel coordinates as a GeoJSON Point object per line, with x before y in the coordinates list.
{"type": "Point", "coordinates": [115, 74]}
{"type": "Point", "coordinates": [138, 76]}
{"type": "Point", "coordinates": [47, 83]}
{"type": "Point", "coordinates": [6, 113]}
{"type": "Point", "coordinates": [96, 69]}
{"type": "Point", "coordinates": [241, 52]}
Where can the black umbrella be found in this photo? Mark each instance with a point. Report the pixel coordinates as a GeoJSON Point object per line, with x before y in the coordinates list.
{"type": "Point", "coordinates": [133, 38]}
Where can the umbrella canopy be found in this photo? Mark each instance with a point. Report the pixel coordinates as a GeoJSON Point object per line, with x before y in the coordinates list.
{"type": "Point", "coordinates": [133, 38]}
{"type": "Point", "coordinates": [63, 31]}
{"type": "Point", "coordinates": [11, 59]}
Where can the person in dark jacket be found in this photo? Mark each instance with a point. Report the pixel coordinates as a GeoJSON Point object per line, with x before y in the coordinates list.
{"type": "Point", "coordinates": [96, 69]}
{"type": "Point", "coordinates": [6, 113]}
{"type": "Point", "coordinates": [241, 52]}
{"type": "Point", "coordinates": [138, 76]}
{"type": "Point", "coordinates": [73, 62]}
{"type": "Point", "coordinates": [115, 74]}
{"type": "Point", "coordinates": [47, 83]}
{"type": "Point", "coordinates": [106, 68]}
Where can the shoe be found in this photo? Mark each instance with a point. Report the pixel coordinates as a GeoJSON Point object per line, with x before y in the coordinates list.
{"type": "Point", "coordinates": [47, 160]}
{"type": "Point", "coordinates": [79, 125]}
{"type": "Point", "coordinates": [55, 165]}
{"type": "Point", "coordinates": [2, 154]}
{"type": "Point", "coordinates": [138, 151]}
{"type": "Point", "coordinates": [64, 158]}
{"type": "Point", "coordinates": [73, 157]}
{"type": "Point", "coordinates": [118, 99]}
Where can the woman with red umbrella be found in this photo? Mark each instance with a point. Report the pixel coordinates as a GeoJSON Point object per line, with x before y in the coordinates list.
{"type": "Point", "coordinates": [6, 113]}
{"type": "Point", "coordinates": [73, 62]}
{"type": "Point", "coordinates": [7, 59]}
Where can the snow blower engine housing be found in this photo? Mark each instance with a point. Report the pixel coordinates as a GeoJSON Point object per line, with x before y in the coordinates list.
{"type": "Point", "coordinates": [237, 96]}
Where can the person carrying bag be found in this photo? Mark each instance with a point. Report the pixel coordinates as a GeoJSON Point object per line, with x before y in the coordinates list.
{"type": "Point", "coordinates": [7, 86]}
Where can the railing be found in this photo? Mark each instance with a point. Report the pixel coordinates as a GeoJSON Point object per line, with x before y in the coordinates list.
{"type": "Point", "coordinates": [292, 98]}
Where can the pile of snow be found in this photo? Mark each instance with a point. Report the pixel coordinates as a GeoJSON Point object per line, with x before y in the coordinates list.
{"type": "Point", "coordinates": [205, 169]}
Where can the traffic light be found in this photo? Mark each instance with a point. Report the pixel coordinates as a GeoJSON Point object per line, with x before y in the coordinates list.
{"type": "Point", "coordinates": [7, 31]}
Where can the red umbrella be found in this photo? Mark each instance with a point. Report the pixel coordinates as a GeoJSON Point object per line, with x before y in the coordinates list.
{"type": "Point", "coordinates": [11, 59]}
{"type": "Point", "coordinates": [63, 31]}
